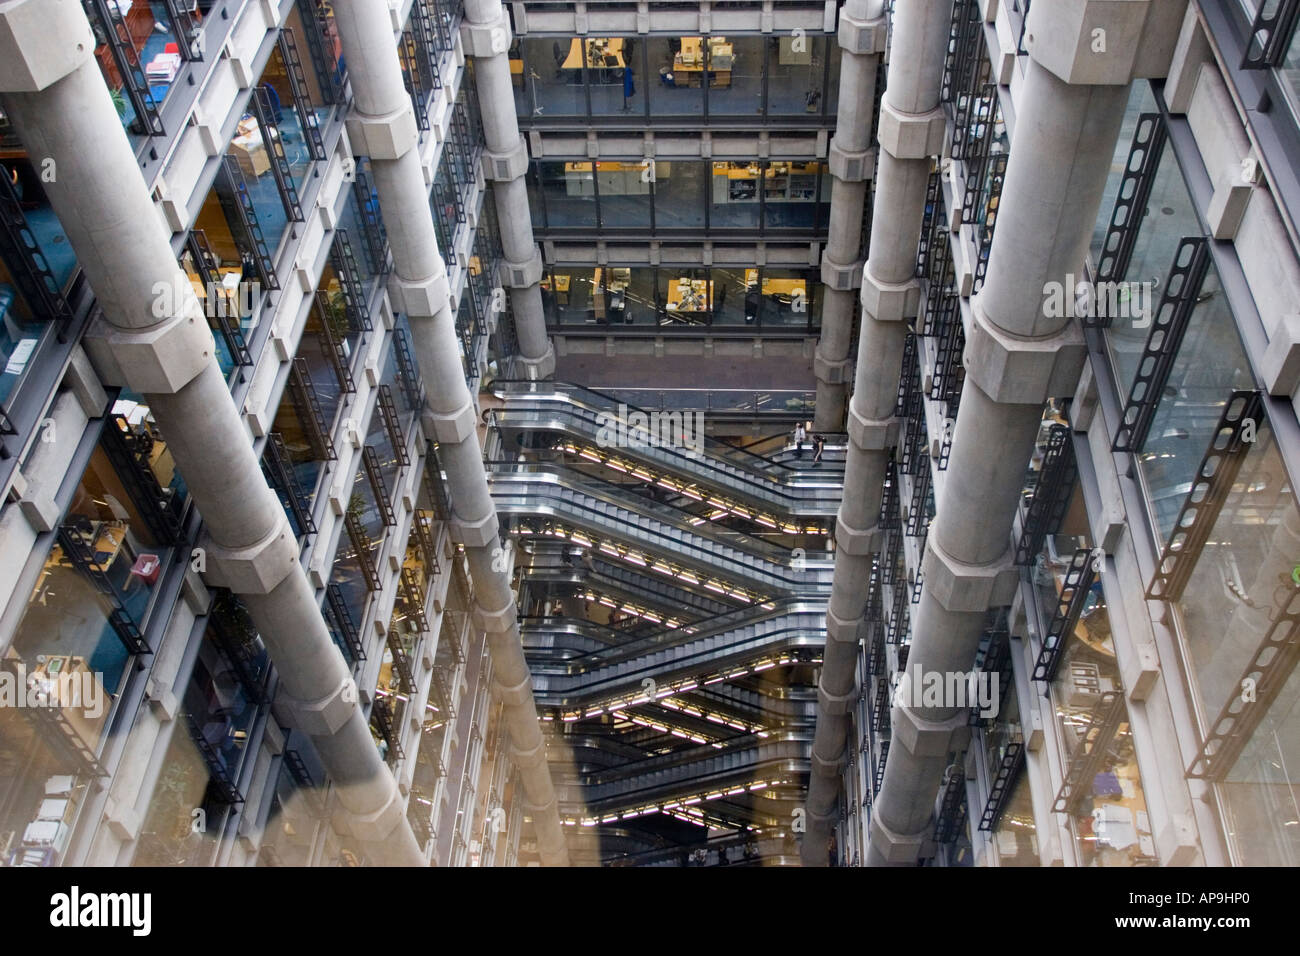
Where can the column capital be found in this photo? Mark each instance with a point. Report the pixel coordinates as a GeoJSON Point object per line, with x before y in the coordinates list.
{"type": "Point", "coordinates": [41, 42]}
{"type": "Point", "coordinates": [1087, 42]}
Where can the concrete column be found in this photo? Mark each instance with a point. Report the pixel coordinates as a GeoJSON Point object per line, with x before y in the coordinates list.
{"type": "Point", "coordinates": [56, 97]}
{"type": "Point", "coordinates": [862, 41]}
{"type": "Point", "coordinates": [382, 124]}
{"type": "Point", "coordinates": [1068, 119]}
{"type": "Point", "coordinates": [485, 32]}
{"type": "Point", "coordinates": [910, 131]}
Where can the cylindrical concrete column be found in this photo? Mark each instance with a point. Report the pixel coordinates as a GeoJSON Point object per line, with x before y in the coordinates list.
{"type": "Point", "coordinates": [383, 124]}
{"type": "Point", "coordinates": [911, 130]}
{"type": "Point", "coordinates": [486, 33]}
{"type": "Point", "coordinates": [1060, 159]}
{"type": "Point", "coordinates": [861, 41]}
{"type": "Point", "coordinates": [163, 347]}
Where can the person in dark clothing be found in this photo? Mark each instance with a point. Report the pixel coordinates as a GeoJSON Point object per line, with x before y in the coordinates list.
{"type": "Point", "coordinates": [819, 445]}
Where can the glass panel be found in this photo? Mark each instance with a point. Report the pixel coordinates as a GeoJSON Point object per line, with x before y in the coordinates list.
{"type": "Point", "coordinates": [1290, 72]}
{"type": "Point", "coordinates": [275, 81]}
{"type": "Point", "coordinates": [41, 789]}
{"type": "Point", "coordinates": [796, 72]}
{"type": "Point", "coordinates": [1241, 580]}
{"type": "Point", "coordinates": [676, 65]}
{"type": "Point", "coordinates": [687, 295]}
{"type": "Point", "coordinates": [614, 76]}
{"type": "Point", "coordinates": [1140, 101]}
{"type": "Point", "coordinates": [569, 190]}
{"type": "Point", "coordinates": [624, 190]}
{"type": "Point", "coordinates": [291, 825]}
{"type": "Point", "coordinates": [731, 296]}
{"type": "Point", "coordinates": [1110, 824]}
{"type": "Point", "coordinates": [786, 297]}
{"type": "Point", "coordinates": [150, 32]}
{"type": "Point", "coordinates": [254, 161]}
{"type": "Point", "coordinates": [226, 235]}
{"type": "Point", "coordinates": [790, 194]}
{"type": "Point", "coordinates": [680, 194]}
{"type": "Point", "coordinates": [20, 333]}
{"type": "Point", "coordinates": [1262, 795]}
{"type": "Point", "coordinates": [734, 200]}
{"type": "Point", "coordinates": [1209, 365]}
{"type": "Point", "coordinates": [1016, 839]}
{"type": "Point", "coordinates": [735, 76]}
{"type": "Point", "coordinates": [569, 287]}
{"type": "Point", "coordinates": [552, 72]}
{"type": "Point", "coordinates": [834, 55]}
{"type": "Point", "coordinates": [54, 250]}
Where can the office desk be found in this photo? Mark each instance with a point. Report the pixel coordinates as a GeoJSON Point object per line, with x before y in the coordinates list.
{"type": "Point", "coordinates": [689, 295]}
{"type": "Point", "coordinates": [228, 290]}
{"type": "Point", "coordinates": [783, 288]}
{"type": "Point", "coordinates": [690, 64]}
{"type": "Point", "coordinates": [562, 283]}
{"type": "Point", "coordinates": [249, 150]}
{"type": "Point", "coordinates": [595, 53]}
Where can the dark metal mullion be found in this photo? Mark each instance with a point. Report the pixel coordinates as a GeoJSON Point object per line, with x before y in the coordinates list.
{"type": "Point", "coordinates": [302, 394]}
{"type": "Point", "coordinates": [26, 261]}
{"type": "Point", "coordinates": [406, 371]}
{"type": "Point", "coordinates": [280, 169]}
{"type": "Point", "coordinates": [205, 262]}
{"type": "Point", "coordinates": [1168, 326]}
{"type": "Point", "coordinates": [1149, 138]}
{"type": "Point", "coordinates": [185, 29]}
{"type": "Point", "coordinates": [362, 545]}
{"type": "Point", "coordinates": [241, 203]}
{"type": "Point", "coordinates": [1074, 592]}
{"type": "Point", "coordinates": [126, 629]}
{"type": "Point", "coordinates": [1275, 29]}
{"type": "Point", "coordinates": [314, 25]}
{"type": "Point", "coordinates": [301, 94]}
{"type": "Point", "coordinates": [374, 233]}
{"type": "Point", "coordinates": [156, 507]}
{"type": "Point", "coordinates": [1051, 495]}
{"type": "Point", "coordinates": [344, 262]}
{"type": "Point", "coordinates": [1266, 673]}
{"type": "Point", "coordinates": [375, 475]}
{"type": "Point", "coordinates": [337, 607]}
{"type": "Point", "coordinates": [388, 412]}
{"type": "Point", "coordinates": [280, 465]}
{"type": "Point", "coordinates": [147, 122]}
{"type": "Point", "coordinates": [1088, 756]}
{"type": "Point", "coordinates": [1209, 490]}
{"type": "Point", "coordinates": [333, 347]}
{"type": "Point", "coordinates": [1004, 779]}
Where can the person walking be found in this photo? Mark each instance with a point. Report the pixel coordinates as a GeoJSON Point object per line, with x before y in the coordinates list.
{"type": "Point", "coordinates": [799, 435]}
{"type": "Point", "coordinates": [819, 445]}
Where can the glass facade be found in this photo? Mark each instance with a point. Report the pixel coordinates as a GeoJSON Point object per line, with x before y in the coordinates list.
{"type": "Point", "coordinates": [786, 79]}
{"type": "Point", "coordinates": [681, 296]}
{"type": "Point", "coordinates": [687, 196]}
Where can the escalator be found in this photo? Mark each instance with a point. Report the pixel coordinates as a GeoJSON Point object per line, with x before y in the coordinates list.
{"type": "Point", "coordinates": [681, 658]}
{"type": "Point", "coordinates": [601, 430]}
{"type": "Point", "coordinates": [726, 563]}
{"type": "Point", "coordinates": [734, 773]}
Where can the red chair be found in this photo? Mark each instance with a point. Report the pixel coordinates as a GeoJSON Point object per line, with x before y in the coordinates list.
{"type": "Point", "coordinates": [172, 48]}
